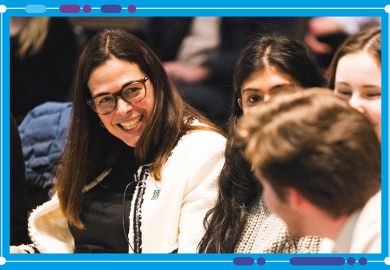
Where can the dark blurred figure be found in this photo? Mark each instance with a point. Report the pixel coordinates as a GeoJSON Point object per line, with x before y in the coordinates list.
{"type": "Point", "coordinates": [199, 54]}
{"type": "Point", "coordinates": [326, 34]}
{"type": "Point", "coordinates": [43, 53]}
{"type": "Point", "coordinates": [18, 209]}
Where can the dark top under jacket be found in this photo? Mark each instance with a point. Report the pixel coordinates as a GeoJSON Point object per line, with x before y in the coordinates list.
{"type": "Point", "coordinates": [103, 212]}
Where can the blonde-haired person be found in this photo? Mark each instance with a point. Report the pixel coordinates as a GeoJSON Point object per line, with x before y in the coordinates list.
{"type": "Point", "coordinates": [32, 33]}
{"type": "Point", "coordinates": [355, 73]}
{"type": "Point", "coordinates": [43, 53]}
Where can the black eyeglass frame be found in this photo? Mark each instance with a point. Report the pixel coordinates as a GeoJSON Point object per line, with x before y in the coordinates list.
{"type": "Point", "coordinates": [119, 93]}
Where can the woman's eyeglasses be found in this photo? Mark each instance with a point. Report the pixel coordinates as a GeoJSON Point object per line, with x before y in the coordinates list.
{"type": "Point", "coordinates": [133, 92]}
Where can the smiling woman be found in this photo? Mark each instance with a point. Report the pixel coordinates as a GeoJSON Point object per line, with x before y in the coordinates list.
{"type": "Point", "coordinates": [124, 117]}
{"type": "Point", "coordinates": [356, 73]}
{"type": "Point", "coordinates": [127, 182]}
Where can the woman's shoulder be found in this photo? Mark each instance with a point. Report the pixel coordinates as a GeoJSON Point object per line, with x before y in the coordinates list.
{"type": "Point", "coordinates": [265, 232]}
{"type": "Point", "coordinates": [203, 134]}
{"type": "Point", "coordinates": [197, 147]}
{"type": "Point", "coordinates": [201, 139]}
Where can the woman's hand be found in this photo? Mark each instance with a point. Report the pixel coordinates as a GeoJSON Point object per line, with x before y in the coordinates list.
{"type": "Point", "coordinates": [22, 249]}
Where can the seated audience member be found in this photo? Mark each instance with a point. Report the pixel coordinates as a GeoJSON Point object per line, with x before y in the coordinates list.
{"type": "Point", "coordinates": [140, 167]}
{"type": "Point", "coordinates": [319, 162]}
{"type": "Point", "coordinates": [356, 74]}
{"type": "Point", "coordinates": [240, 222]}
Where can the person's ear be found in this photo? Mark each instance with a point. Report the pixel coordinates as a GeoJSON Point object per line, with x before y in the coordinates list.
{"type": "Point", "coordinates": [239, 101]}
{"type": "Point", "coordinates": [295, 199]}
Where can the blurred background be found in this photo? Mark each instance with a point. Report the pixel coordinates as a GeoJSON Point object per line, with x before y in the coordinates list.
{"type": "Point", "coordinates": [198, 53]}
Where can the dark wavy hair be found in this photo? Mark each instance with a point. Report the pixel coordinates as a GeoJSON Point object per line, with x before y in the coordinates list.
{"type": "Point", "coordinates": [238, 187]}
{"type": "Point", "coordinates": [90, 148]}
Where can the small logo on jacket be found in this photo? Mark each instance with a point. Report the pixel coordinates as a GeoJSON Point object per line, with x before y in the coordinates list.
{"type": "Point", "coordinates": [156, 193]}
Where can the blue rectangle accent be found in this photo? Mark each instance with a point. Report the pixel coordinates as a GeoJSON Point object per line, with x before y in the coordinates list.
{"type": "Point", "coordinates": [35, 8]}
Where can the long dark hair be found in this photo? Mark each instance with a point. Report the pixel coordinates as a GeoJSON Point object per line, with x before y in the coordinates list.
{"type": "Point", "coordinates": [90, 148]}
{"type": "Point", "coordinates": [239, 189]}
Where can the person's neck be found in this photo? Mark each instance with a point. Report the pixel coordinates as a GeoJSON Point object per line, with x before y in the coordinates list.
{"type": "Point", "coordinates": [326, 226]}
{"type": "Point", "coordinates": [334, 226]}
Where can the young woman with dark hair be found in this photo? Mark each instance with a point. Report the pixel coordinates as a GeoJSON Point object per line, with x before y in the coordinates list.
{"type": "Point", "coordinates": [240, 222]}
{"type": "Point", "coordinates": [140, 167]}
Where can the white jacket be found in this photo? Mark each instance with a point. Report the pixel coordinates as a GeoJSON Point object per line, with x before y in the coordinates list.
{"type": "Point", "coordinates": [362, 231]}
{"type": "Point", "coordinates": [165, 215]}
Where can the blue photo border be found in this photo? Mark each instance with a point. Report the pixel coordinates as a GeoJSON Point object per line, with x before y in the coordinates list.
{"type": "Point", "coordinates": [151, 8]}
